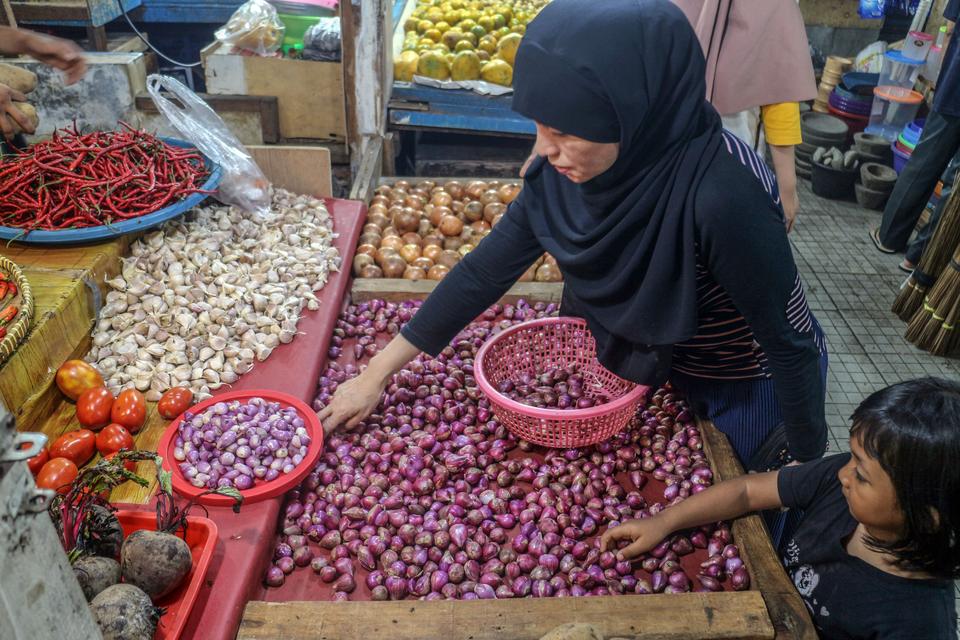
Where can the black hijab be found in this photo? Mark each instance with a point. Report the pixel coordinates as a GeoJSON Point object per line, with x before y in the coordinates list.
{"type": "Point", "coordinates": [632, 72]}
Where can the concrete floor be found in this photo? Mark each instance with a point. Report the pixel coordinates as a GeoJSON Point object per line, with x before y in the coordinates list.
{"type": "Point", "coordinates": [850, 287]}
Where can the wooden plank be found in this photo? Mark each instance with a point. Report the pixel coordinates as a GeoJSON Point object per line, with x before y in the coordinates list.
{"type": "Point", "coordinates": [286, 164]}
{"type": "Point", "coordinates": [704, 616]}
{"type": "Point", "coordinates": [265, 106]}
{"type": "Point", "coordinates": [65, 283]}
{"type": "Point", "coordinates": [368, 172]}
{"type": "Point", "coordinates": [395, 289]}
{"type": "Point", "coordinates": [787, 611]}
{"type": "Point", "coordinates": [348, 56]}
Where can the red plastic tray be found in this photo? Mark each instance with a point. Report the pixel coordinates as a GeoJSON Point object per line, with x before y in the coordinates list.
{"type": "Point", "coordinates": [202, 540]}
{"type": "Point", "coordinates": [261, 490]}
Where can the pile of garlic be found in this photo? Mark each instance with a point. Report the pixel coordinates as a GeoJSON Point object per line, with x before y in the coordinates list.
{"type": "Point", "coordinates": [204, 297]}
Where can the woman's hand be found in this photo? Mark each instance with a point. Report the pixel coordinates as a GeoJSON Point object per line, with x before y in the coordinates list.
{"type": "Point", "coordinates": [642, 535]}
{"type": "Point", "coordinates": [58, 53]}
{"type": "Point", "coordinates": [791, 206]}
{"type": "Point", "coordinates": [353, 401]}
{"type": "Point", "coordinates": [10, 115]}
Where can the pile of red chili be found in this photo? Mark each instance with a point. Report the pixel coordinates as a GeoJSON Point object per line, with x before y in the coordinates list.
{"type": "Point", "coordinates": [79, 180]}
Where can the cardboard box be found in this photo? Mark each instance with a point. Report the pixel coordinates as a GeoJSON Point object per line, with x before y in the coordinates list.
{"type": "Point", "coordinates": [309, 94]}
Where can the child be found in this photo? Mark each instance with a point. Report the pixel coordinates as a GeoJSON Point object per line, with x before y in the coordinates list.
{"type": "Point", "coordinates": [878, 546]}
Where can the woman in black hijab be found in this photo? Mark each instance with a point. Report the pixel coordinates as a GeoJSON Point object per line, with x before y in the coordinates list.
{"type": "Point", "coordinates": [668, 232]}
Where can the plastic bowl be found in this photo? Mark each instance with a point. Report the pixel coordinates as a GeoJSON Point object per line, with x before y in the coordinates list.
{"type": "Point", "coordinates": [261, 490]}
{"type": "Point", "coordinates": [202, 539]}
{"type": "Point", "coordinates": [900, 159]}
{"type": "Point", "coordinates": [856, 107]}
{"type": "Point", "coordinates": [861, 83]}
{"type": "Point", "coordinates": [133, 225]}
{"type": "Point", "coordinates": [534, 346]}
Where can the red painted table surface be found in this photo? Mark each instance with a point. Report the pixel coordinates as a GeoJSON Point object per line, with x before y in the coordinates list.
{"type": "Point", "coordinates": [246, 539]}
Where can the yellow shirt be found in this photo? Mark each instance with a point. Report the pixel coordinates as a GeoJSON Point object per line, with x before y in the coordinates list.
{"type": "Point", "coordinates": [781, 123]}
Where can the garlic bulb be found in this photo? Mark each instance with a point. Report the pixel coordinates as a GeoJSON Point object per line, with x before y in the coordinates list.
{"type": "Point", "coordinates": [202, 299]}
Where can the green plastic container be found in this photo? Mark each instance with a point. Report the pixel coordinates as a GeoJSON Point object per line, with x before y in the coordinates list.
{"type": "Point", "coordinates": [296, 27]}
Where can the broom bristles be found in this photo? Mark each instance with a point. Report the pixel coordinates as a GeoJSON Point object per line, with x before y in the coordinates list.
{"type": "Point", "coordinates": [934, 258]}
{"type": "Point", "coordinates": [931, 328]}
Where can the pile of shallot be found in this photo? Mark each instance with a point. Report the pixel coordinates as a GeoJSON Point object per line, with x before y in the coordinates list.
{"type": "Point", "coordinates": [432, 498]}
{"type": "Point", "coordinates": [557, 388]}
{"type": "Point", "coordinates": [234, 444]}
{"type": "Point", "coordinates": [203, 298]}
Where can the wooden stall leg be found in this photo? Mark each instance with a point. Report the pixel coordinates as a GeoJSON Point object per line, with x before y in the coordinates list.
{"type": "Point", "coordinates": [97, 37]}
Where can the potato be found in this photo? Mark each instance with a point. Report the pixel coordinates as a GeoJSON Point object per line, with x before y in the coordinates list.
{"type": "Point", "coordinates": [26, 109]}
{"type": "Point", "coordinates": [17, 78]}
{"type": "Point", "coordinates": [154, 561]}
{"type": "Point", "coordinates": [96, 574]}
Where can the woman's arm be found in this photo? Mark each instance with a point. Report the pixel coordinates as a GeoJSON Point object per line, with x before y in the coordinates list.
{"type": "Point", "coordinates": [745, 249]}
{"type": "Point", "coordinates": [724, 501]}
{"type": "Point", "coordinates": [480, 279]}
{"type": "Point", "coordinates": [56, 52]}
{"type": "Point", "coordinates": [785, 168]}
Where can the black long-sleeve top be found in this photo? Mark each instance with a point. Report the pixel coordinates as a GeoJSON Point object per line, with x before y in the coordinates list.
{"type": "Point", "coordinates": [753, 319]}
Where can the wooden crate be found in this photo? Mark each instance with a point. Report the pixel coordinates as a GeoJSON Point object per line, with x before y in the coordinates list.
{"type": "Point", "coordinates": [400, 289]}
{"type": "Point", "coordinates": [309, 94]}
{"type": "Point", "coordinates": [65, 284]}
{"type": "Point", "coordinates": [772, 608]}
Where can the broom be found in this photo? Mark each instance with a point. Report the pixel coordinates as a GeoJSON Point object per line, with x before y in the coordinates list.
{"type": "Point", "coordinates": [933, 260]}
{"type": "Point", "coordinates": [932, 327]}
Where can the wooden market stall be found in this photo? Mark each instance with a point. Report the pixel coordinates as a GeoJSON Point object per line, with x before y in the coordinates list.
{"type": "Point", "coordinates": [770, 609]}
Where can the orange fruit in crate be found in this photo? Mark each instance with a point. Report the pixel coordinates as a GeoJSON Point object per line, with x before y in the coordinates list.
{"type": "Point", "coordinates": [433, 64]}
{"type": "Point", "coordinates": [497, 72]}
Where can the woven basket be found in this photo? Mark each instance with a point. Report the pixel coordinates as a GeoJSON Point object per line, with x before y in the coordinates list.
{"type": "Point", "coordinates": [18, 329]}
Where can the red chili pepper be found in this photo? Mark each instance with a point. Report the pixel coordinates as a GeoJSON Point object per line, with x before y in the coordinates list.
{"type": "Point", "coordinates": [9, 313]}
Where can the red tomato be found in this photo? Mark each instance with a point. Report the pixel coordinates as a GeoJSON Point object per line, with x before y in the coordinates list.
{"type": "Point", "coordinates": [57, 474]}
{"type": "Point", "coordinates": [36, 462]}
{"type": "Point", "coordinates": [130, 410]}
{"type": "Point", "coordinates": [77, 446]}
{"type": "Point", "coordinates": [129, 465]}
{"type": "Point", "coordinates": [93, 408]}
{"type": "Point", "coordinates": [112, 438]}
{"type": "Point", "coordinates": [76, 376]}
{"type": "Point", "coordinates": [174, 402]}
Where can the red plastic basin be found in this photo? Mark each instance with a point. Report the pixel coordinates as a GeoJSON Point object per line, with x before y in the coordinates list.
{"type": "Point", "coordinates": [202, 540]}
{"type": "Point", "coordinates": [261, 490]}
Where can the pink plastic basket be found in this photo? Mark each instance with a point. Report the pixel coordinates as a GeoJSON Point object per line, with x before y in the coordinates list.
{"type": "Point", "coordinates": [535, 346]}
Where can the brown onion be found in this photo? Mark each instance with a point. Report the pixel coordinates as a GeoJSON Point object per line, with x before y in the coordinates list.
{"type": "Point", "coordinates": [412, 238]}
{"type": "Point", "coordinates": [432, 251]}
{"type": "Point", "coordinates": [492, 210]}
{"type": "Point", "coordinates": [414, 273]}
{"type": "Point", "coordinates": [405, 221]}
{"type": "Point", "coordinates": [473, 211]}
{"type": "Point", "coordinates": [360, 261]}
{"type": "Point", "coordinates": [490, 197]}
{"type": "Point", "coordinates": [392, 242]}
{"type": "Point", "coordinates": [452, 244]}
{"type": "Point", "coordinates": [369, 249]}
{"type": "Point", "coordinates": [383, 253]}
{"type": "Point", "coordinates": [451, 226]}
{"type": "Point", "coordinates": [508, 193]}
{"type": "Point", "coordinates": [548, 273]}
{"type": "Point", "coordinates": [409, 252]}
{"type": "Point", "coordinates": [394, 266]}
{"type": "Point", "coordinates": [465, 249]}
{"type": "Point", "coordinates": [371, 238]}
{"type": "Point", "coordinates": [371, 271]}
{"type": "Point", "coordinates": [422, 262]}
{"type": "Point", "coordinates": [448, 259]}
{"type": "Point", "coordinates": [432, 239]}
{"type": "Point", "coordinates": [438, 214]}
{"type": "Point", "coordinates": [437, 272]}
{"type": "Point", "coordinates": [475, 189]}
{"type": "Point", "coordinates": [379, 219]}
{"type": "Point", "coordinates": [442, 199]}
{"type": "Point", "coordinates": [455, 189]}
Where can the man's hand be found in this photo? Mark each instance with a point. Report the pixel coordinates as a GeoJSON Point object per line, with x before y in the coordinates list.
{"type": "Point", "coordinates": [10, 115]}
{"type": "Point", "coordinates": [642, 535]}
{"type": "Point", "coordinates": [58, 53]}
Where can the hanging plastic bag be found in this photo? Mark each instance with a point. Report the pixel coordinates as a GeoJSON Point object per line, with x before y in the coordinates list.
{"type": "Point", "coordinates": [322, 40]}
{"type": "Point", "coordinates": [243, 184]}
{"type": "Point", "coordinates": [255, 27]}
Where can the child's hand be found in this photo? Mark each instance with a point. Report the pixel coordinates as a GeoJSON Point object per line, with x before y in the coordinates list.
{"type": "Point", "coordinates": [643, 535]}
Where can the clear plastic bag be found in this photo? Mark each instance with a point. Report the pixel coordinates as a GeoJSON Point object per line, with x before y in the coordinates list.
{"type": "Point", "coordinates": [323, 36]}
{"type": "Point", "coordinates": [255, 27]}
{"type": "Point", "coordinates": [243, 184]}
